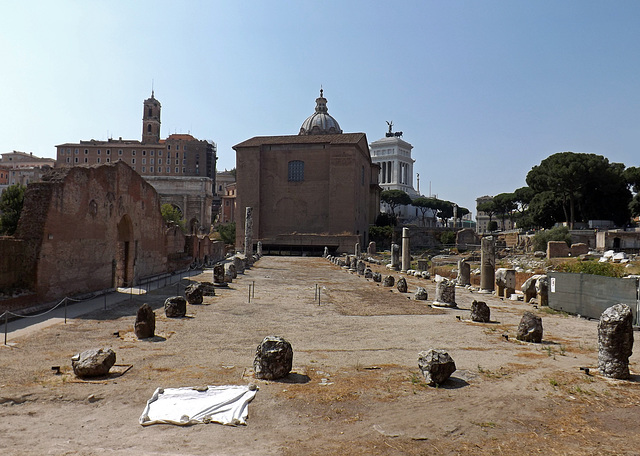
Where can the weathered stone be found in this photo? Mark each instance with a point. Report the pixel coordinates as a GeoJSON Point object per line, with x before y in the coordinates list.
{"type": "Point", "coordinates": [194, 293]}
{"type": "Point", "coordinates": [389, 281]}
{"type": "Point", "coordinates": [274, 358]}
{"type": "Point", "coordinates": [175, 307]}
{"type": "Point", "coordinates": [395, 257]}
{"type": "Point", "coordinates": [218, 274]}
{"type": "Point", "coordinates": [487, 264]}
{"type": "Point", "coordinates": [248, 232]}
{"type": "Point", "coordinates": [259, 249]}
{"type": "Point", "coordinates": [615, 341]}
{"type": "Point", "coordinates": [240, 262]}
{"type": "Point", "coordinates": [145, 324]}
{"type": "Point", "coordinates": [208, 289]}
{"type": "Point", "coordinates": [505, 281]}
{"type": "Point", "coordinates": [530, 328]}
{"type": "Point", "coordinates": [360, 267]}
{"type": "Point", "coordinates": [529, 287]}
{"type": "Point", "coordinates": [356, 249]}
{"type": "Point", "coordinates": [542, 288]}
{"type": "Point", "coordinates": [464, 273]}
{"type": "Point", "coordinates": [480, 312]}
{"type": "Point", "coordinates": [371, 249]}
{"type": "Point", "coordinates": [436, 365]}
{"type": "Point", "coordinates": [377, 277]}
{"type": "Point", "coordinates": [353, 264]}
{"type": "Point", "coordinates": [230, 268]}
{"type": "Point", "coordinates": [93, 363]}
{"type": "Point", "coordinates": [445, 293]}
{"type": "Point", "coordinates": [421, 294]}
{"type": "Point", "coordinates": [368, 273]}
{"type": "Point", "coordinates": [402, 285]}
{"type": "Point", "coordinates": [228, 277]}
{"type": "Point", "coordinates": [326, 252]}
{"type": "Point", "coordinates": [426, 275]}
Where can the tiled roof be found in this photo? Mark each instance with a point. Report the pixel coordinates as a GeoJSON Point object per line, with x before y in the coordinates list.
{"type": "Point", "coordinates": [344, 138]}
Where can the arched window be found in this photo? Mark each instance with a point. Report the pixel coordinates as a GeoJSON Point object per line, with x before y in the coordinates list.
{"type": "Point", "coordinates": [149, 128]}
{"type": "Point", "coordinates": [296, 171]}
{"type": "Point", "coordinates": [150, 112]}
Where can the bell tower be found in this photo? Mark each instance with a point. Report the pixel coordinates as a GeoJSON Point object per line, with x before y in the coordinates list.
{"type": "Point", "coordinates": [151, 120]}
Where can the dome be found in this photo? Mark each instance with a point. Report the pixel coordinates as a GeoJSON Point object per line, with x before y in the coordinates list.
{"type": "Point", "coordinates": [320, 122]}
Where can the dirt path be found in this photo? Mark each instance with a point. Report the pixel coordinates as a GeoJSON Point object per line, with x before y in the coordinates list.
{"type": "Point", "coordinates": [356, 387]}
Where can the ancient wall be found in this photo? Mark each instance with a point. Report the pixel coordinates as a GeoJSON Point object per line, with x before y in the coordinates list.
{"type": "Point", "coordinates": [557, 249]}
{"type": "Point", "coordinates": [14, 271]}
{"type": "Point", "coordinates": [92, 228]}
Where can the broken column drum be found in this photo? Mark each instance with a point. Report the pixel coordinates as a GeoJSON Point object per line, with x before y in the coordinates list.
{"type": "Point", "coordinates": [402, 285]}
{"type": "Point", "coordinates": [388, 281]}
{"type": "Point", "coordinates": [175, 307]}
{"type": "Point", "coordinates": [93, 363]}
{"type": "Point", "coordinates": [529, 288]}
{"type": "Point", "coordinates": [445, 293]}
{"type": "Point", "coordinates": [615, 341]}
{"type": "Point", "coordinates": [194, 293]}
{"type": "Point", "coordinates": [488, 264]}
{"type": "Point", "coordinates": [406, 254]}
{"type": "Point", "coordinates": [218, 274]}
{"type": "Point", "coordinates": [248, 232]}
{"type": "Point", "coordinates": [421, 294]}
{"type": "Point", "coordinates": [274, 358]}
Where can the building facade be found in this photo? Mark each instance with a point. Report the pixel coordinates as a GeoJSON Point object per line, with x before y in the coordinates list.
{"type": "Point", "coordinates": [179, 155]}
{"type": "Point", "coordinates": [22, 168]}
{"type": "Point", "coordinates": [315, 189]}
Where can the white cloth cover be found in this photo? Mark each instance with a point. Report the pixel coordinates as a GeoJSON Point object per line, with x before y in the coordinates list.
{"type": "Point", "coordinates": [197, 405]}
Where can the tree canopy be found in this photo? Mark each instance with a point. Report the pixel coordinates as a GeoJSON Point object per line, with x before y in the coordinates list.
{"type": "Point", "coordinates": [395, 198]}
{"type": "Point", "coordinates": [584, 186]}
{"type": "Point", "coordinates": [11, 203]}
{"type": "Point", "coordinates": [172, 215]}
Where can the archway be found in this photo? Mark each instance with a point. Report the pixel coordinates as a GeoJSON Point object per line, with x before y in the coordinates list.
{"type": "Point", "coordinates": [125, 253]}
{"type": "Point", "coordinates": [616, 243]}
{"type": "Point", "coordinates": [194, 226]}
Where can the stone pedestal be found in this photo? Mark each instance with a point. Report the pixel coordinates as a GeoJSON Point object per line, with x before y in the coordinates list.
{"type": "Point", "coordinates": [371, 250]}
{"type": "Point", "coordinates": [615, 341]}
{"type": "Point", "coordinates": [505, 282]}
{"type": "Point", "coordinates": [542, 288]}
{"type": "Point", "coordinates": [406, 254]}
{"type": "Point", "coordinates": [259, 248]}
{"type": "Point", "coordinates": [488, 264]}
{"type": "Point", "coordinates": [356, 250]}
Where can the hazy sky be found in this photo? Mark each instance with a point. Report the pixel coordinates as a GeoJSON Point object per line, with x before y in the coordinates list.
{"type": "Point", "coordinates": [484, 90]}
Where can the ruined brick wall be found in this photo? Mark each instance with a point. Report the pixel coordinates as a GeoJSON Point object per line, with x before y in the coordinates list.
{"type": "Point", "coordinates": [92, 228]}
{"type": "Point", "coordinates": [14, 270]}
{"type": "Point", "coordinates": [579, 249]}
{"type": "Point", "coordinates": [557, 249]}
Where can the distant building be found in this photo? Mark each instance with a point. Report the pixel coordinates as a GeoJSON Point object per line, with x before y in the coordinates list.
{"type": "Point", "coordinates": [223, 180]}
{"type": "Point", "coordinates": [228, 204]}
{"type": "Point", "coordinates": [22, 168]}
{"type": "Point", "coordinates": [315, 189]}
{"type": "Point", "coordinates": [482, 218]}
{"type": "Point", "coordinates": [179, 155]}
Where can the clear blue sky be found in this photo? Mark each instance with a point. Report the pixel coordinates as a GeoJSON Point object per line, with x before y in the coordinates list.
{"type": "Point", "coordinates": [484, 89]}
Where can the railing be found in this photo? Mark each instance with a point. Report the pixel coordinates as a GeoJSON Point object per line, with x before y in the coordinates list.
{"type": "Point", "coordinates": [144, 286]}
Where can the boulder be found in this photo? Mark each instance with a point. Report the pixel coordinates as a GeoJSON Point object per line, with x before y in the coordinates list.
{"type": "Point", "coordinates": [530, 328]}
{"type": "Point", "coordinates": [145, 324]}
{"type": "Point", "coordinates": [274, 358]}
{"type": "Point", "coordinates": [218, 274]}
{"type": "Point", "coordinates": [360, 267]}
{"type": "Point", "coordinates": [240, 262]}
{"type": "Point", "coordinates": [175, 307]}
{"type": "Point", "coordinates": [615, 341]}
{"type": "Point", "coordinates": [421, 294]}
{"type": "Point", "coordinates": [208, 289]}
{"type": "Point", "coordinates": [93, 363]}
{"type": "Point", "coordinates": [480, 312]}
{"type": "Point", "coordinates": [436, 365]}
{"type": "Point", "coordinates": [389, 281]}
{"type": "Point", "coordinates": [230, 268]}
{"type": "Point", "coordinates": [377, 277]}
{"type": "Point", "coordinates": [368, 273]}
{"type": "Point", "coordinates": [194, 293]}
{"type": "Point", "coordinates": [402, 285]}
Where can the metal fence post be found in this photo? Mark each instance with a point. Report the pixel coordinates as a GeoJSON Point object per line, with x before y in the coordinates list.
{"type": "Point", "coordinates": [6, 322]}
{"type": "Point", "coordinates": [65, 310]}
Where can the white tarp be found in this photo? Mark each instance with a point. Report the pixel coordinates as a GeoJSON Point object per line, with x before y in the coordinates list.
{"type": "Point", "coordinates": [197, 405]}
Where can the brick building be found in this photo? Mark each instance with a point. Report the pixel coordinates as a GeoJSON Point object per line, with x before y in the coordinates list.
{"type": "Point", "coordinates": [318, 188]}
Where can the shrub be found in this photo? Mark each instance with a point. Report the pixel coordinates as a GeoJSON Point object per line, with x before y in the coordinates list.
{"type": "Point", "coordinates": [559, 233]}
{"type": "Point", "coordinates": [227, 232]}
{"type": "Point", "coordinates": [448, 238]}
{"type": "Point", "coordinates": [592, 267]}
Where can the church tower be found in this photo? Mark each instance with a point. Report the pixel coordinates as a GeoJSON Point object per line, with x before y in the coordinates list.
{"type": "Point", "coordinates": [151, 120]}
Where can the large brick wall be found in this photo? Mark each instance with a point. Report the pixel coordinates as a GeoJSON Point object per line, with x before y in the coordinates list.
{"type": "Point", "coordinates": [91, 228]}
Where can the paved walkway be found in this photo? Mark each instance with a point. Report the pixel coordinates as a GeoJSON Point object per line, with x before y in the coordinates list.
{"type": "Point", "coordinates": [29, 324]}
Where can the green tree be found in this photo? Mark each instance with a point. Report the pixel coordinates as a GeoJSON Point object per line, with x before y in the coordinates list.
{"type": "Point", "coordinates": [11, 203]}
{"type": "Point", "coordinates": [587, 185]}
{"type": "Point", "coordinates": [227, 232]}
{"type": "Point", "coordinates": [445, 211]}
{"type": "Point", "coordinates": [505, 205]}
{"type": "Point", "coordinates": [489, 208]}
{"type": "Point", "coordinates": [541, 238]}
{"type": "Point", "coordinates": [462, 211]}
{"type": "Point", "coordinates": [172, 216]}
{"type": "Point", "coordinates": [424, 204]}
{"type": "Point", "coordinates": [632, 177]}
{"type": "Point", "coordinates": [395, 198]}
